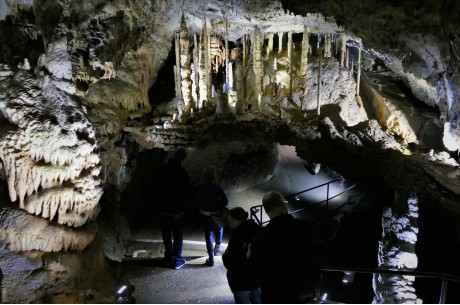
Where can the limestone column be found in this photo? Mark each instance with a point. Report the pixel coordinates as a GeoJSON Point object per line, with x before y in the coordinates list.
{"type": "Point", "coordinates": [320, 53]}
{"type": "Point", "coordinates": [196, 87]}
{"type": "Point", "coordinates": [304, 56]}
{"type": "Point", "coordinates": [327, 46]}
{"type": "Point", "coordinates": [290, 62]}
{"type": "Point", "coordinates": [208, 66]}
{"type": "Point", "coordinates": [244, 51]}
{"type": "Point", "coordinates": [203, 80]}
{"type": "Point", "coordinates": [397, 250]}
{"type": "Point", "coordinates": [358, 72]}
{"type": "Point", "coordinates": [227, 62]}
{"type": "Point", "coordinates": [177, 66]}
{"type": "Point", "coordinates": [239, 107]}
{"type": "Point", "coordinates": [343, 47]}
{"type": "Point", "coordinates": [257, 64]}
{"type": "Point", "coordinates": [185, 71]}
{"type": "Point", "coordinates": [270, 43]}
{"type": "Point", "coordinates": [280, 42]}
{"type": "Point", "coordinates": [347, 55]}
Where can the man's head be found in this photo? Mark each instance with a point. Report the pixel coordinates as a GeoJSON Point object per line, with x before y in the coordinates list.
{"type": "Point", "coordinates": [274, 204]}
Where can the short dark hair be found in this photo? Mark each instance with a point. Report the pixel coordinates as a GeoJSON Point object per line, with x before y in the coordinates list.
{"type": "Point", "coordinates": [272, 200]}
{"type": "Point", "coordinates": [180, 154]}
{"type": "Point", "coordinates": [238, 213]}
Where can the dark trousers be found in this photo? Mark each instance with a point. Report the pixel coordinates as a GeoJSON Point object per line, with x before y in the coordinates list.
{"type": "Point", "coordinates": [172, 230]}
{"type": "Point", "coordinates": [212, 231]}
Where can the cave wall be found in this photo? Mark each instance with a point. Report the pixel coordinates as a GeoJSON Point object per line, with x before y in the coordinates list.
{"type": "Point", "coordinates": [77, 118]}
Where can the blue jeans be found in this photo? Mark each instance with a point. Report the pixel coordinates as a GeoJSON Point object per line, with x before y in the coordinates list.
{"type": "Point", "coordinates": [212, 231]}
{"type": "Point", "coordinates": [172, 228]}
{"type": "Point", "coordinates": [247, 296]}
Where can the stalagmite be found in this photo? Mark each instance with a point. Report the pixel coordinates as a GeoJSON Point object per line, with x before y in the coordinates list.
{"type": "Point", "coordinates": [257, 64]}
{"type": "Point", "coordinates": [290, 62]}
{"type": "Point", "coordinates": [304, 56]}
{"type": "Point", "coordinates": [397, 250]}
{"type": "Point", "coordinates": [185, 71]}
{"type": "Point", "coordinates": [244, 52]}
{"type": "Point", "coordinates": [270, 43]}
{"type": "Point", "coordinates": [280, 42]}
{"type": "Point", "coordinates": [343, 47]}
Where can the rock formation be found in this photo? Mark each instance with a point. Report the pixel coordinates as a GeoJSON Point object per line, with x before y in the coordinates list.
{"type": "Point", "coordinates": [83, 93]}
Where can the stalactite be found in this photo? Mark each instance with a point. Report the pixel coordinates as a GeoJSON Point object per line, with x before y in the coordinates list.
{"type": "Point", "coordinates": [203, 80]}
{"type": "Point", "coordinates": [227, 62]}
{"type": "Point", "coordinates": [327, 46]}
{"type": "Point", "coordinates": [230, 75]}
{"type": "Point", "coordinates": [177, 66]}
{"type": "Point", "coordinates": [397, 250]}
{"type": "Point", "coordinates": [347, 55]}
{"type": "Point", "coordinates": [196, 70]}
{"type": "Point", "coordinates": [304, 56]}
{"type": "Point", "coordinates": [270, 43]}
{"type": "Point", "coordinates": [343, 47]}
{"type": "Point", "coordinates": [257, 63]}
{"type": "Point", "coordinates": [280, 42]}
{"type": "Point", "coordinates": [290, 62]}
{"type": "Point", "coordinates": [239, 107]}
{"type": "Point", "coordinates": [319, 79]}
{"type": "Point", "coordinates": [244, 52]}
{"type": "Point", "coordinates": [185, 71]}
{"type": "Point", "coordinates": [208, 66]}
{"type": "Point", "coordinates": [352, 67]}
{"type": "Point", "coordinates": [358, 72]}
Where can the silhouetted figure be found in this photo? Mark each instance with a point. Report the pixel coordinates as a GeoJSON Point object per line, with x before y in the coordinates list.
{"type": "Point", "coordinates": [284, 253]}
{"type": "Point", "coordinates": [173, 191]}
{"type": "Point", "coordinates": [242, 282]}
{"type": "Point", "coordinates": [211, 199]}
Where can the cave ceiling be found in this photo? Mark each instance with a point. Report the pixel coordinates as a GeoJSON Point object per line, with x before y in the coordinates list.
{"type": "Point", "coordinates": [76, 81]}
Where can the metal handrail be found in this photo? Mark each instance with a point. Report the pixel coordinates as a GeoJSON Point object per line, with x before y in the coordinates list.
{"type": "Point", "coordinates": [434, 275]}
{"type": "Point", "coordinates": [258, 208]}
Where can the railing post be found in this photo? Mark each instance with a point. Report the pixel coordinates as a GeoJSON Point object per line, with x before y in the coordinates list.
{"type": "Point", "coordinates": [327, 199]}
{"type": "Point", "coordinates": [442, 297]}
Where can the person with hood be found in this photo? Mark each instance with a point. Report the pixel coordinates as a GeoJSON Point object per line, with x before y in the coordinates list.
{"type": "Point", "coordinates": [243, 284]}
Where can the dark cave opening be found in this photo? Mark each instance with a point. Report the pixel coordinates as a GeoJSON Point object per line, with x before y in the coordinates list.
{"type": "Point", "coordinates": [163, 90]}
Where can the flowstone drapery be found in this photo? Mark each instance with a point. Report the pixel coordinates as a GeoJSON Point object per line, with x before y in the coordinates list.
{"type": "Point", "coordinates": [49, 156]}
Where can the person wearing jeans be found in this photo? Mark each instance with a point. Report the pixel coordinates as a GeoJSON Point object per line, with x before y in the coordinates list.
{"type": "Point", "coordinates": [172, 226]}
{"type": "Point", "coordinates": [211, 200]}
{"type": "Point", "coordinates": [172, 189]}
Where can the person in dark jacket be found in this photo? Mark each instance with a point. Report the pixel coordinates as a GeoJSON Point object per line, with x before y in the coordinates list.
{"type": "Point", "coordinates": [173, 191]}
{"type": "Point", "coordinates": [242, 282]}
{"type": "Point", "coordinates": [284, 254]}
{"type": "Point", "coordinates": [211, 199]}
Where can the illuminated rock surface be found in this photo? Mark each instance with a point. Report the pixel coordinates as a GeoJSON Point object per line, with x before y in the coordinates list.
{"type": "Point", "coordinates": [87, 87]}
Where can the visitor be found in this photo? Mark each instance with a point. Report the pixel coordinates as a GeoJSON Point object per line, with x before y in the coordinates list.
{"type": "Point", "coordinates": [212, 201]}
{"type": "Point", "coordinates": [173, 189]}
{"type": "Point", "coordinates": [284, 256]}
{"type": "Point", "coordinates": [243, 284]}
